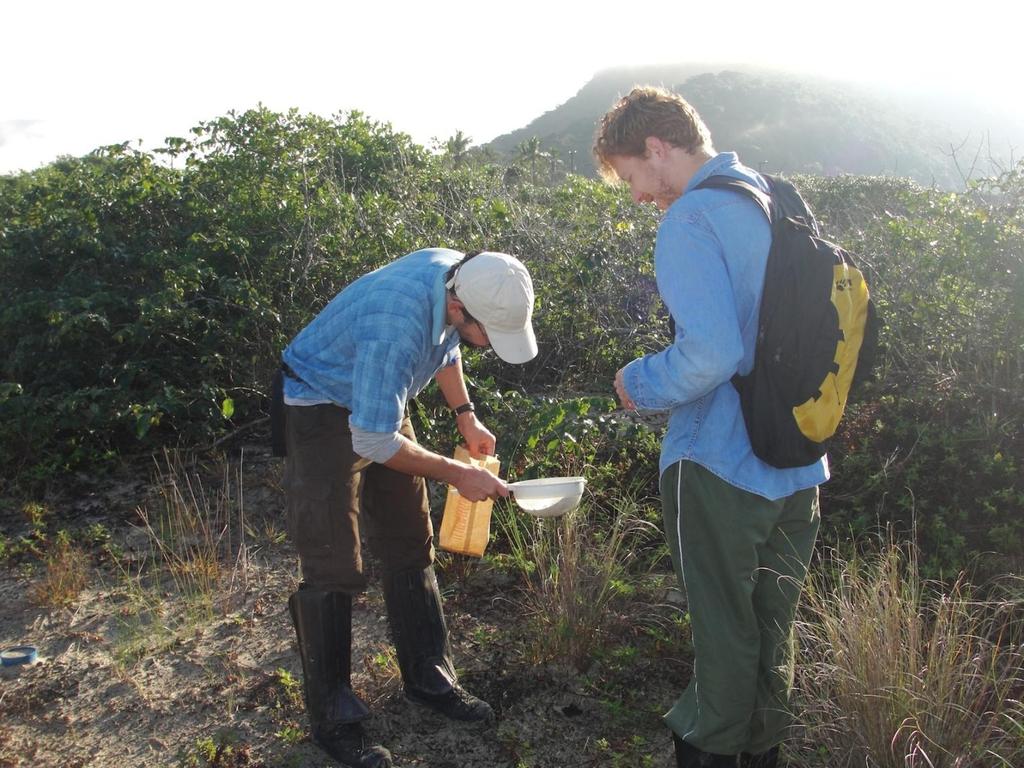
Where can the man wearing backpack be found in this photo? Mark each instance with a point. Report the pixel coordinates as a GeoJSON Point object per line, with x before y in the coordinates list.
{"type": "Point", "coordinates": [740, 531]}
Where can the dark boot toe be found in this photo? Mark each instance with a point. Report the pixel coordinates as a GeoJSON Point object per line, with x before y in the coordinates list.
{"type": "Point", "coordinates": [346, 744]}
{"type": "Point", "coordinates": [456, 704]}
{"type": "Point", "coordinates": [688, 756]}
{"type": "Point", "coordinates": [768, 759]}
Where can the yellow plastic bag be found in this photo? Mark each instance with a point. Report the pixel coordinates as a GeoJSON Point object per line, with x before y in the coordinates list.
{"type": "Point", "coordinates": [466, 525]}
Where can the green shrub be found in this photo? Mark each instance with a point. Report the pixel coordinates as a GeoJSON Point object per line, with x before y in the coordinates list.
{"type": "Point", "coordinates": [932, 445]}
{"type": "Point", "coordinates": [146, 298]}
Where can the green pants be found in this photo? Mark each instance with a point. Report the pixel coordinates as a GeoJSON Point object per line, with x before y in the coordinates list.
{"type": "Point", "coordinates": [742, 560]}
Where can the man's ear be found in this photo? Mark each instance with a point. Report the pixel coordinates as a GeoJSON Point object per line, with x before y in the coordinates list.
{"type": "Point", "coordinates": [655, 147]}
{"type": "Point", "coordinates": [451, 306]}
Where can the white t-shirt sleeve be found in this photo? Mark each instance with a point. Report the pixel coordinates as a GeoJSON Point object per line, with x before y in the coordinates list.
{"type": "Point", "coordinates": [375, 446]}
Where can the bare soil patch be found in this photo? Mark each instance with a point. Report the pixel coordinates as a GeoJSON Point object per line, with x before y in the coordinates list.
{"type": "Point", "coordinates": [111, 690]}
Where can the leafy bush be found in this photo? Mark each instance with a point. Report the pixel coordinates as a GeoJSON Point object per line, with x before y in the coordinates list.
{"type": "Point", "coordinates": [145, 303]}
{"type": "Point", "coordinates": [933, 443]}
{"type": "Point", "coordinates": [146, 298]}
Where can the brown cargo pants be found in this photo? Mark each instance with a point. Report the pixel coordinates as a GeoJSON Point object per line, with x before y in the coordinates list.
{"type": "Point", "coordinates": [331, 491]}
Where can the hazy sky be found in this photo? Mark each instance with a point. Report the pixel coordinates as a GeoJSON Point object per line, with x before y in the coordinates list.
{"type": "Point", "coordinates": [77, 75]}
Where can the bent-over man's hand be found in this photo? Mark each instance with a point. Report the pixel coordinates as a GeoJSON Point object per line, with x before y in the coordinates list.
{"type": "Point", "coordinates": [479, 439]}
{"type": "Point", "coordinates": [477, 484]}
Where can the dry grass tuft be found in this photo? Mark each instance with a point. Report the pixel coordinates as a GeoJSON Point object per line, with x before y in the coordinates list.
{"type": "Point", "coordinates": [899, 672]}
{"type": "Point", "coordinates": [199, 537]}
{"type": "Point", "coordinates": [574, 568]}
{"type": "Point", "coordinates": [198, 564]}
{"type": "Point", "coordinates": [67, 574]}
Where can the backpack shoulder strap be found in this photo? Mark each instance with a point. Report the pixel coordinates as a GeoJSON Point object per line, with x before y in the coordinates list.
{"type": "Point", "coordinates": [746, 189]}
{"type": "Point", "coordinates": [789, 203]}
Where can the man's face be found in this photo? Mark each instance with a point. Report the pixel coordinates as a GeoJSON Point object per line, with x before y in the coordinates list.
{"type": "Point", "coordinates": [470, 330]}
{"type": "Point", "coordinates": [647, 177]}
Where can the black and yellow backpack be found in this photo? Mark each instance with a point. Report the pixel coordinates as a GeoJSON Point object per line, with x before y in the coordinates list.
{"type": "Point", "coordinates": [817, 332]}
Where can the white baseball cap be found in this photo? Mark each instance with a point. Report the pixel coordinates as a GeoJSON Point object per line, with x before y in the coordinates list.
{"type": "Point", "coordinates": [497, 291]}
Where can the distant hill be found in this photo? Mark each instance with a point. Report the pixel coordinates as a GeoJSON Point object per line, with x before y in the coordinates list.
{"type": "Point", "coordinates": [788, 123]}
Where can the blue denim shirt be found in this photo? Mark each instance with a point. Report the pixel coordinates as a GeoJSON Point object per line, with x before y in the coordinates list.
{"type": "Point", "coordinates": [377, 343]}
{"type": "Point", "coordinates": [709, 262]}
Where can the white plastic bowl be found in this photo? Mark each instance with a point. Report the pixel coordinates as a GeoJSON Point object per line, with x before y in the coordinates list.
{"type": "Point", "coordinates": [548, 496]}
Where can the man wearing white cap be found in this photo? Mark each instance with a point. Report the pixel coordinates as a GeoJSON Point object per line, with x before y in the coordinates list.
{"type": "Point", "coordinates": [353, 460]}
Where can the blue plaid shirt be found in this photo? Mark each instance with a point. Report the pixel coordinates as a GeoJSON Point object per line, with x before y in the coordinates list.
{"type": "Point", "coordinates": [709, 262]}
{"type": "Point", "coordinates": [377, 343]}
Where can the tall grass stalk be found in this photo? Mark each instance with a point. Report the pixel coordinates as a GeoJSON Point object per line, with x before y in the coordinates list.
{"type": "Point", "coordinates": [899, 672]}
{"type": "Point", "coordinates": [199, 538]}
{"type": "Point", "coordinates": [574, 567]}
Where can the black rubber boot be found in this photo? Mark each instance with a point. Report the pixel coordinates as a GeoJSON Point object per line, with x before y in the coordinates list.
{"type": "Point", "coordinates": [323, 626]}
{"type": "Point", "coordinates": [688, 756]}
{"type": "Point", "coordinates": [767, 759]}
{"type": "Point", "coordinates": [424, 653]}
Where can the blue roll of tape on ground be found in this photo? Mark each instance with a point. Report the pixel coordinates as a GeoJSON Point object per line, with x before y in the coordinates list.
{"type": "Point", "coordinates": [19, 654]}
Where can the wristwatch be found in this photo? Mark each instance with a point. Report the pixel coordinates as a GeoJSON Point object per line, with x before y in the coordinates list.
{"type": "Point", "coordinates": [464, 408]}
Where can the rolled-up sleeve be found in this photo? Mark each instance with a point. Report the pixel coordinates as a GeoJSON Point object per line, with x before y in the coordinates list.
{"type": "Point", "coordinates": [694, 283]}
{"type": "Point", "coordinates": [375, 446]}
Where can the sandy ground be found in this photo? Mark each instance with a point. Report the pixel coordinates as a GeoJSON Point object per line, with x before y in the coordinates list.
{"type": "Point", "coordinates": [106, 694]}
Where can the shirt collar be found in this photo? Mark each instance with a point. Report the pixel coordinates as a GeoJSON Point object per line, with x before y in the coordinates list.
{"type": "Point", "coordinates": [711, 167]}
{"type": "Point", "coordinates": [440, 331]}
